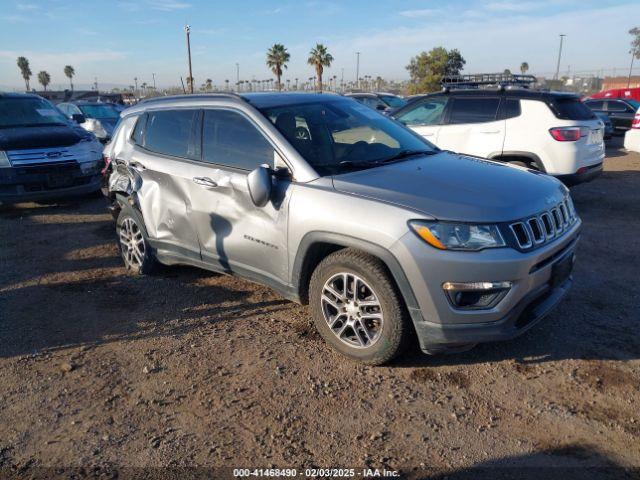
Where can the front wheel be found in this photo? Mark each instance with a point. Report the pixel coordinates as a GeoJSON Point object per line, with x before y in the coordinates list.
{"type": "Point", "coordinates": [357, 309]}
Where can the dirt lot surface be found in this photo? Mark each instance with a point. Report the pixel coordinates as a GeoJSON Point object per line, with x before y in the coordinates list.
{"type": "Point", "coordinates": [99, 369]}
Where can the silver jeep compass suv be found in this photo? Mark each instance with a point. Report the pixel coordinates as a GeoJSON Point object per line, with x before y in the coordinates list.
{"type": "Point", "coordinates": [333, 204]}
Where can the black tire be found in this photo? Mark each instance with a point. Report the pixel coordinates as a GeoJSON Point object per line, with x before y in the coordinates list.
{"type": "Point", "coordinates": [148, 261]}
{"type": "Point", "coordinates": [396, 329]}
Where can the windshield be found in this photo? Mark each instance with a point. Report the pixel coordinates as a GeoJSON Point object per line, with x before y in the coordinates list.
{"type": "Point", "coordinates": [99, 111]}
{"type": "Point", "coordinates": [337, 136]}
{"type": "Point", "coordinates": [29, 112]}
{"type": "Point", "coordinates": [633, 103]}
{"type": "Point", "coordinates": [393, 101]}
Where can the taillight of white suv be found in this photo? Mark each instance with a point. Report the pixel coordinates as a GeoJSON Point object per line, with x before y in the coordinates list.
{"type": "Point", "coordinates": [636, 121]}
{"type": "Point", "coordinates": [568, 134]}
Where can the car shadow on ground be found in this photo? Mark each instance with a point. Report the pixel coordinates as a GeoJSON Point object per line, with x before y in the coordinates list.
{"type": "Point", "coordinates": [65, 286]}
{"type": "Point", "coordinates": [570, 462]}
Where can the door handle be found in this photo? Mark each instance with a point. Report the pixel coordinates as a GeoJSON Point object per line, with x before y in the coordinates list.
{"type": "Point", "coordinates": [137, 166]}
{"type": "Point", "coordinates": [205, 182]}
{"type": "Point", "coordinates": [490, 131]}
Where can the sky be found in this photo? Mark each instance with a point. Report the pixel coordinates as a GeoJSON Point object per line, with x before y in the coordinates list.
{"type": "Point", "coordinates": [117, 40]}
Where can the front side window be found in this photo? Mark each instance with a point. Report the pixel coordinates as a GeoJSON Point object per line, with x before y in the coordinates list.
{"type": "Point", "coordinates": [473, 110]}
{"type": "Point", "coordinates": [341, 135]}
{"type": "Point", "coordinates": [173, 132]}
{"type": "Point", "coordinates": [230, 139]}
{"type": "Point", "coordinates": [427, 112]}
{"type": "Point", "coordinates": [29, 112]}
{"type": "Point", "coordinates": [613, 106]}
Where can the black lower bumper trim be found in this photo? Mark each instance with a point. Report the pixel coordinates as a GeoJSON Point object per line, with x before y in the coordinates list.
{"type": "Point", "coordinates": [529, 311]}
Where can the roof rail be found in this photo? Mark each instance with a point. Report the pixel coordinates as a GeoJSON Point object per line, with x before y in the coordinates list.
{"type": "Point", "coordinates": [500, 80]}
{"type": "Point", "coordinates": [194, 96]}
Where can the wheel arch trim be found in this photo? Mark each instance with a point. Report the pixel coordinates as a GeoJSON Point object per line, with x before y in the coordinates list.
{"type": "Point", "coordinates": [300, 277]}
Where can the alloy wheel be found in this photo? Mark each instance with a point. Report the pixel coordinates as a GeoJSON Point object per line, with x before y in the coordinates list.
{"type": "Point", "coordinates": [352, 310]}
{"type": "Point", "coordinates": [132, 243]}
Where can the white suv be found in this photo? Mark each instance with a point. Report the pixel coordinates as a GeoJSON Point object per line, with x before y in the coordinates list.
{"type": "Point", "coordinates": [551, 132]}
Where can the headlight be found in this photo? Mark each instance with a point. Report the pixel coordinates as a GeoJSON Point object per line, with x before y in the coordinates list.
{"type": "Point", "coordinates": [4, 160]}
{"type": "Point", "coordinates": [458, 236]}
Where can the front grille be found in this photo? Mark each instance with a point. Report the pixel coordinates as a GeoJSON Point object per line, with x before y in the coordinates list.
{"type": "Point", "coordinates": [545, 226]}
{"type": "Point", "coordinates": [27, 157]}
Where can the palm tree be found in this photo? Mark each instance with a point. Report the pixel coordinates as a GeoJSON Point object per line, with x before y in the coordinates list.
{"type": "Point", "coordinates": [69, 72]}
{"type": "Point", "coordinates": [277, 58]}
{"type": "Point", "coordinates": [208, 85]}
{"type": "Point", "coordinates": [524, 67]}
{"type": "Point", "coordinates": [319, 57]}
{"type": "Point", "coordinates": [23, 65]}
{"type": "Point", "coordinates": [44, 78]}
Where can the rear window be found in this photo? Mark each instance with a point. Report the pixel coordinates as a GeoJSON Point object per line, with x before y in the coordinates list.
{"type": "Point", "coordinates": [572, 109]}
{"type": "Point", "coordinates": [173, 132]}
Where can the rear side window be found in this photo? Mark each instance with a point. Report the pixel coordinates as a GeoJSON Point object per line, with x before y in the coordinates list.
{"type": "Point", "coordinates": [572, 109]}
{"type": "Point", "coordinates": [230, 139]}
{"type": "Point", "coordinates": [512, 108]}
{"type": "Point", "coordinates": [173, 132]}
{"type": "Point", "coordinates": [138, 130]}
{"type": "Point", "coordinates": [473, 110]}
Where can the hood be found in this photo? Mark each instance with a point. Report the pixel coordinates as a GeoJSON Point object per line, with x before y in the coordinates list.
{"type": "Point", "coordinates": [448, 186]}
{"type": "Point", "coordinates": [38, 137]}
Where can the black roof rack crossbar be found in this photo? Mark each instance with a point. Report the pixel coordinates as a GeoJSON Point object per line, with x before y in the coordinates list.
{"type": "Point", "coordinates": [486, 79]}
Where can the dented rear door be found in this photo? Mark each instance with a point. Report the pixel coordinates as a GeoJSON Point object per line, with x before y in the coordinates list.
{"type": "Point", "coordinates": [163, 165]}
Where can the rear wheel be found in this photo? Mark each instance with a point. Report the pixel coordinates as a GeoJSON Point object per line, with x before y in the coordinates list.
{"type": "Point", "coordinates": [357, 309]}
{"type": "Point", "coordinates": [133, 242]}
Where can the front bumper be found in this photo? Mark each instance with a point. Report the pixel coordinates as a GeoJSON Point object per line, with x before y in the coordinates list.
{"type": "Point", "coordinates": [46, 182]}
{"type": "Point", "coordinates": [529, 311]}
{"type": "Point", "coordinates": [533, 294]}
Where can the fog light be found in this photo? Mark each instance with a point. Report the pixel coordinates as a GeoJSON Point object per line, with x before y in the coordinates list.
{"type": "Point", "coordinates": [475, 295]}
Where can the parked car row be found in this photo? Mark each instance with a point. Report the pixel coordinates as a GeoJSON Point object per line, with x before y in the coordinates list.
{"type": "Point", "coordinates": [369, 218]}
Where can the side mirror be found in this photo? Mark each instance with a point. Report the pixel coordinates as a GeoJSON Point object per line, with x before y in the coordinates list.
{"type": "Point", "coordinates": [259, 184]}
{"type": "Point", "coordinates": [78, 118]}
{"type": "Point", "coordinates": [382, 108]}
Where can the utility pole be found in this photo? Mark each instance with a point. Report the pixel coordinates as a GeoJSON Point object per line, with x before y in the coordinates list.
{"type": "Point", "coordinates": [154, 80]}
{"type": "Point", "coordinates": [342, 81]}
{"type": "Point", "coordinates": [237, 76]}
{"type": "Point", "coordinates": [633, 54]}
{"type": "Point", "coordinates": [562, 35]}
{"type": "Point", "coordinates": [358, 69]}
{"type": "Point", "coordinates": [187, 30]}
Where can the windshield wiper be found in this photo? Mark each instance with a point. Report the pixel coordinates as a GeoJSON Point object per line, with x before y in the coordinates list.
{"type": "Point", "coordinates": [402, 154]}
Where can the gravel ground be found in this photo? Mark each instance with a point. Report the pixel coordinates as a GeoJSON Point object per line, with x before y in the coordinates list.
{"type": "Point", "coordinates": [101, 370]}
